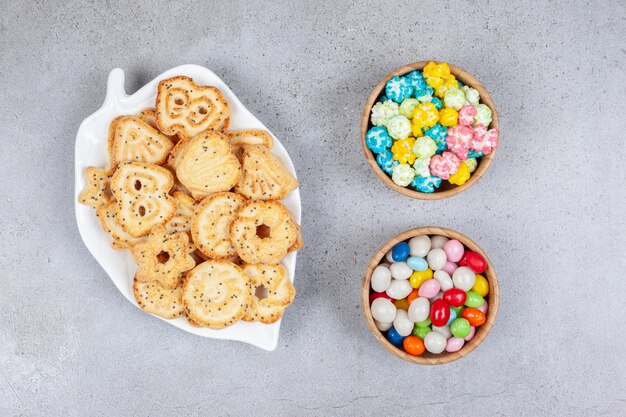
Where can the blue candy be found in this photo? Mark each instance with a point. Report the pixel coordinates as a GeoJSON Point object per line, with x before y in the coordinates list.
{"type": "Point", "coordinates": [452, 317]}
{"type": "Point", "coordinates": [426, 184]}
{"type": "Point", "coordinates": [386, 162]}
{"type": "Point", "coordinates": [425, 94]}
{"type": "Point", "coordinates": [439, 134]}
{"type": "Point", "coordinates": [438, 104]}
{"type": "Point", "coordinates": [394, 337]}
{"type": "Point", "coordinates": [417, 80]}
{"type": "Point", "coordinates": [400, 252]}
{"type": "Point", "coordinates": [417, 264]}
{"type": "Point", "coordinates": [377, 139]}
{"type": "Point", "coordinates": [383, 98]}
{"type": "Point", "coordinates": [398, 88]}
{"type": "Point", "coordinates": [473, 154]}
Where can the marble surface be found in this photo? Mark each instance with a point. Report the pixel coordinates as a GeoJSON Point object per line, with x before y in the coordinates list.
{"type": "Point", "coordinates": [549, 212]}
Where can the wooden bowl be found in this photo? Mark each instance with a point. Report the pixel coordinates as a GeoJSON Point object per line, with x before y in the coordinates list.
{"type": "Point", "coordinates": [493, 298]}
{"type": "Point", "coordinates": [446, 189]}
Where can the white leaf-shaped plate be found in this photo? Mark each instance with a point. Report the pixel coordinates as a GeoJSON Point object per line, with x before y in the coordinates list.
{"type": "Point", "coordinates": [91, 150]}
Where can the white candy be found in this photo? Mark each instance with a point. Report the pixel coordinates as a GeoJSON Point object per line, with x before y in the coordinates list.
{"type": "Point", "coordinates": [463, 278]}
{"type": "Point", "coordinates": [400, 270]}
{"type": "Point", "coordinates": [381, 278]}
{"type": "Point", "coordinates": [402, 323]}
{"type": "Point", "coordinates": [383, 327]}
{"type": "Point", "coordinates": [435, 342]}
{"type": "Point", "coordinates": [436, 259]}
{"type": "Point", "coordinates": [419, 309]}
{"type": "Point", "coordinates": [389, 258]}
{"type": "Point", "coordinates": [398, 289]}
{"type": "Point", "coordinates": [437, 242]}
{"type": "Point", "coordinates": [443, 330]}
{"type": "Point", "coordinates": [436, 297]}
{"type": "Point", "coordinates": [419, 246]}
{"type": "Point", "coordinates": [383, 310]}
{"type": "Point", "coordinates": [444, 279]}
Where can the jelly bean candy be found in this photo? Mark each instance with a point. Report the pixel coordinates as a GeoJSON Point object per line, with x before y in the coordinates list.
{"type": "Point", "coordinates": [425, 323]}
{"type": "Point", "coordinates": [381, 278]}
{"type": "Point", "coordinates": [421, 167]}
{"type": "Point", "coordinates": [474, 316]}
{"type": "Point", "coordinates": [452, 317]}
{"type": "Point", "coordinates": [471, 94]}
{"type": "Point", "coordinates": [417, 263]}
{"type": "Point", "coordinates": [439, 313]}
{"type": "Point", "coordinates": [429, 289]}
{"type": "Point", "coordinates": [474, 299]}
{"type": "Point", "coordinates": [426, 115]}
{"type": "Point", "coordinates": [435, 342]}
{"type": "Point", "coordinates": [454, 251]}
{"type": "Point", "coordinates": [416, 79]}
{"type": "Point", "coordinates": [444, 165]}
{"type": "Point", "coordinates": [471, 334]}
{"type": "Point", "coordinates": [400, 252]}
{"type": "Point", "coordinates": [383, 327]}
{"type": "Point", "coordinates": [398, 88]}
{"type": "Point", "coordinates": [403, 174]}
{"type": "Point", "coordinates": [464, 278]}
{"type": "Point", "coordinates": [402, 304]}
{"type": "Point", "coordinates": [394, 337]}
{"type": "Point", "coordinates": [454, 344]}
{"type": "Point", "coordinates": [474, 261]}
{"type": "Point", "coordinates": [437, 102]}
{"type": "Point", "coordinates": [454, 98]}
{"type": "Point", "coordinates": [377, 139]}
{"type": "Point", "coordinates": [421, 332]}
{"type": "Point", "coordinates": [483, 308]}
{"type": "Point", "coordinates": [455, 297]}
{"type": "Point", "coordinates": [419, 309]}
{"type": "Point", "coordinates": [461, 176]}
{"type": "Point", "coordinates": [420, 245]}
{"type": "Point", "coordinates": [413, 345]}
{"type": "Point", "coordinates": [458, 140]}
{"type": "Point", "coordinates": [466, 115]}
{"type": "Point", "coordinates": [400, 271]}
{"type": "Point", "coordinates": [376, 295]}
{"type": "Point", "coordinates": [424, 147]}
{"type": "Point", "coordinates": [483, 140]}
{"type": "Point", "coordinates": [402, 323]}
{"type": "Point", "coordinates": [386, 162]}
{"type": "Point", "coordinates": [419, 277]}
{"type": "Point", "coordinates": [425, 95]}
{"type": "Point", "coordinates": [481, 286]}
{"type": "Point", "coordinates": [483, 115]}
{"type": "Point", "coordinates": [426, 184]}
{"type": "Point", "coordinates": [402, 150]}
{"type": "Point", "coordinates": [445, 281]}
{"type": "Point", "coordinates": [381, 112]}
{"type": "Point", "coordinates": [408, 106]}
{"type": "Point", "coordinates": [448, 117]}
{"type": "Point", "coordinates": [460, 327]}
{"type": "Point", "coordinates": [457, 310]}
{"type": "Point", "coordinates": [471, 163]}
{"type": "Point", "coordinates": [399, 127]}
{"type": "Point", "coordinates": [439, 134]}
{"type": "Point", "coordinates": [412, 296]}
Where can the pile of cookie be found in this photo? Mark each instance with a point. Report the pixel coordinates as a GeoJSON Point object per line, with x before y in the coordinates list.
{"type": "Point", "coordinates": [197, 206]}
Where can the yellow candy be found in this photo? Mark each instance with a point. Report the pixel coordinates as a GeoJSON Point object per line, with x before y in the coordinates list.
{"type": "Point", "coordinates": [402, 304]}
{"type": "Point", "coordinates": [481, 286]}
{"type": "Point", "coordinates": [418, 278]}
{"type": "Point", "coordinates": [402, 151]}
{"type": "Point", "coordinates": [438, 76]}
{"type": "Point", "coordinates": [448, 83]}
{"type": "Point", "coordinates": [461, 176]}
{"type": "Point", "coordinates": [432, 70]}
{"type": "Point", "coordinates": [426, 115]}
{"type": "Point", "coordinates": [448, 117]}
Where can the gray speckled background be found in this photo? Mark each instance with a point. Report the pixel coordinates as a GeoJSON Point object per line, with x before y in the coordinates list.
{"type": "Point", "coordinates": [549, 212]}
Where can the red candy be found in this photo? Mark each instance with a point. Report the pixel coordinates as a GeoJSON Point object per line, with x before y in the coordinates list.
{"type": "Point", "coordinates": [455, 297]}
{"type": "Point", "coordinates": [474, 261]}
{"type": "Point", "coordinates": [375, 295]}
{"type": "Point", "coordinates": [439, 313]}
{"type": "Point", "coordinates": [474, 316]}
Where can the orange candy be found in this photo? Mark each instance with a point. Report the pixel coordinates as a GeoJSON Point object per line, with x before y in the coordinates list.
{"type": "Point", "coordinates": [413, 295]}
{"type": "Point", "coordinates": [413, 345]}
{"type": "Point", "coordinates": [474, 316]}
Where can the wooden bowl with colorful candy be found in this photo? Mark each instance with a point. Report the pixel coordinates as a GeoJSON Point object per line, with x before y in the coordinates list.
{"type": "Point", "coordinates": [430, 295]}
{"type": "Point", "coordinates": [429, 131]}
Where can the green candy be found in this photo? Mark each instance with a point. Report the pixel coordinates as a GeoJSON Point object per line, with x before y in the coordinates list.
{"type": "Point", "coordinates": [474, 299]}
{"type": "Point", "coordinates": [460, 328]}
{"type": "Point", "coordinates": [457, 310]}
{"type": "Point", "coordinates": [408, 106]}
{"type": "Point", "coordinates": [483, 116]}
{"type": "Point", "coordinates": [424, 323]}
{"type": "Point", "coordinates": [421, 332]}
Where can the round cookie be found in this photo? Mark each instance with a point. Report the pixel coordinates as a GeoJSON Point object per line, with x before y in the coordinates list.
{"type": "Point", "coordinates": [274, 281]}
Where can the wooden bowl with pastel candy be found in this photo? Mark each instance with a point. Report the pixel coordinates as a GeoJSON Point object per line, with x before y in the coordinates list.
{"type": "Point", "coordinates": [446, 189]}
{"type": "Point", "coordinates": [492, 298]}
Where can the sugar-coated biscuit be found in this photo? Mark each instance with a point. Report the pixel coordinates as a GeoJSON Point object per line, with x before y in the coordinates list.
{"type": "Point", "coordinates": [278, 292]}
{"type": "Point", "coordinates": [264, 176]}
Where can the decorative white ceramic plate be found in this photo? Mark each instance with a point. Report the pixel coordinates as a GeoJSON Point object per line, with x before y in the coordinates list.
{"type": "Point", "coordinates": [91, 150]}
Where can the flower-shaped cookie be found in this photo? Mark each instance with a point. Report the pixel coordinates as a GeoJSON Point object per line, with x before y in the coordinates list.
{"type": "Point", "coordinates": [444, 165]}
{"type": "Point", "coordinates": [377, 139]}
{"type": "Point", "coordinates": [398, 88]}
{"type": "Point", "coordinates": [280, 292]}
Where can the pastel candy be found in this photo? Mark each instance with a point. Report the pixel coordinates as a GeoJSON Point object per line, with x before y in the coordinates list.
{"type": "Point", "coordinates": [444, 165]}
{"type": "Point", "coordinates": [434, 70]}
{"type": "Point", "coordinates": [471, 94]}
{"type": "Point", "coordinates": [471, 163]}
{"type": "Point", "coordinates": [483, 115]}
{"type": "Point", "coordinates": [437, 102]}
{"type": "Point", "coordinates": [399, 127]}
{"type": "Point", "coordinates": [439, 134]}
{"type": "Point", "coordinates": [386, 162]}
{"type": "Point", "coordinates": [426, 184]}
{"type": "Point", "coordinates": [381, 112]}
{"type": "Point", "coordinates": [403, 174]}
{"type": "Point", "coordinates": [454, 98]}
{"type": "Point", "coordinates": [377, 139]}
{"type": "Point", "coordinates": [426, 115]}
{"type": "Point", "coordinates": [424, 147]}
{"type": "Point", "coordinates": [425, 95]}
{"type": "Point", "coordinates": [408, 106]}
{"type": "Point", "coordinates": [461, 176]}
{"type": "Point", "coordinates": [466, 115]}
{"type": "Point", "coordinates": [483, 140]}
{"type": "Point", "coordinates": [402, 151]}
{"type": "Point", "coordinates": [398, 88]}
{"type": "Point", "coordinates": [458, 140]}
{"type": "Point", "coordinates": [416, 79]}
{"type": "Point", "coordinates": [421, 167]}
{"type": "Point", "coordinates": [438, 76]}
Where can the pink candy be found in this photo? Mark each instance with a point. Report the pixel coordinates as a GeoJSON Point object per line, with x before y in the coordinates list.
{"type": "Point", "coordinates": [484, 140]}
{"type": "Point", "coordinates": [429, 288]}
{"type": "Point", "coordinates": [454, 250]}
{"type": "Point", "coordinates": [444, 165]}
{"type": "Point", "coordinates": [471, 334]}
{"type": "Point", "coordinates": [454, 344]}
{"type": "Point", "coordinates": [484, 307]}
{"type": "Point", "coordinates": [458, 140]}
{"type": "Point", "coordinates": [466, 115]}
{"type": "Point", "coordinates": [450, 267]}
